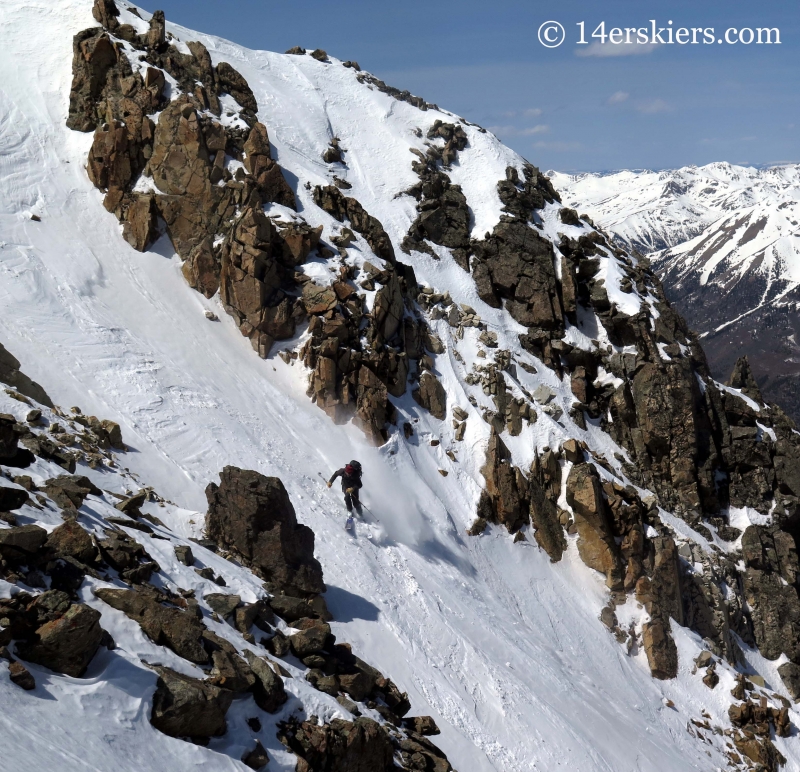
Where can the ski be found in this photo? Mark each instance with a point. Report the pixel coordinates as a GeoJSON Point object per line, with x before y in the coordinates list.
{"type": "Point", "coordinates": [349, 524]}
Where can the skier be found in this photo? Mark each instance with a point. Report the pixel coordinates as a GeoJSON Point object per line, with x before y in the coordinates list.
{"type": "Point", "coordinates": [351, 482]}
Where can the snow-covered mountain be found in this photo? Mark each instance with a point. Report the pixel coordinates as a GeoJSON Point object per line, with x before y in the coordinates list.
{"type": "Point", "coordinates": [725, 241]}
{"type": "Point", "coordinates": [654, 211]}
{"type": "Point", "coordinates": [196, 241]}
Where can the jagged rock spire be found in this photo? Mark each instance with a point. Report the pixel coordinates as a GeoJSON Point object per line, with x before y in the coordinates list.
{"type": "Point", "coordinates": [742, 378]}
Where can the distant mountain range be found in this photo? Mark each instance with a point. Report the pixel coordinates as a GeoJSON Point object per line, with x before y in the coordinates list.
{"type": "Point", "coordinates": [725, 241]}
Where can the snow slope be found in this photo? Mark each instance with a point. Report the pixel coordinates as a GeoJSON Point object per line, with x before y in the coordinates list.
{"type": "Point", "coordinates": [503, 648]}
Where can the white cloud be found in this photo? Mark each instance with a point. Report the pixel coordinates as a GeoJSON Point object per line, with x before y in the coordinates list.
{"type": "Point", "coordinates": [515, 131]}
{"type": "Point", "coordinates": [559, 147]}
{"type": "Point", "coordinates": [622, 49]}
{"type": "Point", "coordinates": [618, 97]}
{"type": "Point", "coordinates": [532, 112]}
{"type": "Point", "coordinates": [652, 106]}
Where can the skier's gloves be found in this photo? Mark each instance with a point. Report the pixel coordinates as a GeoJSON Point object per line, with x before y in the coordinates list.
{"type": "Point", "coordinates": [328, 484]}
{"type": "Point", "coordinates": [350, 490]}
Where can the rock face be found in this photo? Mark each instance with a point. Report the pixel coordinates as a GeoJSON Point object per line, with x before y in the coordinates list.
{"type": "Point", "coordinates": [770, 589]}
{"type": "Point", "coordinates": [252, 515]}
{"type": "Point", "coordinates": [187, 707]}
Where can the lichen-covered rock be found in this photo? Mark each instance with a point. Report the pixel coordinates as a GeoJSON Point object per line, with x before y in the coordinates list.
{"type": "Point", "coordinates": [252, 515]}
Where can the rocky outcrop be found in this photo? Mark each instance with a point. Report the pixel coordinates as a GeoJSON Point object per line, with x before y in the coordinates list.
{"type": "Point", "coordinates": [12, 376]}
{"type": "Point", "coordinates": [331, 200]}
{"type": "Point", "coordinates": [596, 544]}
{"type": "Point", "coordinates": [252, 516]}
{"type": "Point", "coordinates": [184, 154]}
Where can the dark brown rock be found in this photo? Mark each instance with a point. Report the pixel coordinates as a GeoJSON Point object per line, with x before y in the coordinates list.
{"type": "Point", "coordinates": [70, 540]}
{"type": "Point", "coordinates": [11, 498]}
{"type": "Point", "coordinates": [341, 746]}
{"type": "Point", "coordinates": [70, 491]}
{"type": "Point", "coordinates": [312, 638]}
{"type": "Point", "coordinates": [257, 757]}
{"type": "Point", "coordinates": [596, 544]}
{"type": "Point", "coordinates": [253, 516]}
{"type": "Point", "coordinates": [67, 643]}
{"type": "Point", "coordinates": [12, 375]}
{"type": "Point", "coordinates": [167, 626]}
{"type": "Point", "coordinates": [21, 676]}
{"type": "Point", "coordinates": [20, 544]}
{"type": "Point", "coordinates": [268, 690]}
{"type": "Point", "coordinates": [505, 498]}
{"type": "Point", "coordinates": [662, 654]}
{"type": "Point", "coordinates": [187, 707]}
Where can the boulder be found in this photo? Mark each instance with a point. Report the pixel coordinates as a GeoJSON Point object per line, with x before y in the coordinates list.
{"type": "Point", "coordinates": [12, 376]}
{"type": "Point", "coordinates": [268, 690]}
{"type": "Point", "coordinates": [183, 554]}
{"type": "Point", "coordinates": [222, 603]}
{"type": "Point", "coordinates": [504, 499]}
{"type": "Point", "coordinates": [20, 675]}
{"type": "Point", "coordinates": [70, 540]}
{"type": "Point", "coordinates": [341, 746]}
{"type": "Point", "coordinates": [22, 543]}
{"type": "Point", "coordinates": [70, 491]}
{"type": "Point", "coordinates": [180, 631]}
{"type": "Point", "coordinates": [312, 638]}
{"type": "Point", "coordinates": [387, 311]}
{"type": "Point", "coordinates": [790, 674]}
{"type": "Point", "coordinates": [252, 515]}
{"type": "Point", "coordinates": [67, 643]}
{"type": "Point", "coordinates": [231, 672]}
{"type": "Point", "coordinates": [431, 395]}
{"type": "Point", "coordinates": [188, 707]}
{"type": "Point", "coordinates": [12, 498]}
{"type": "Point", "coordinates": [423, 725]}
{"type": "Point", "coordinates": [662, 654]}
{"type": "Point", "coordinates": [256, 758]}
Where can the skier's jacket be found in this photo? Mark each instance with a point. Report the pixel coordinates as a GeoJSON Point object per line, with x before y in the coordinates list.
{"type": "Point", "coordinates": [350, 474]}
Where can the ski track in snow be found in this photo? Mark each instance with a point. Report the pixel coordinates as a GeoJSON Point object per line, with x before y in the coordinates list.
{"type": "Point", "coordinates": [502, 647]}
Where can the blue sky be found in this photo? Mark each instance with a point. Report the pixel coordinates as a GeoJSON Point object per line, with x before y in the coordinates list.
{"type": "Point", "coordinates": [571, 108]}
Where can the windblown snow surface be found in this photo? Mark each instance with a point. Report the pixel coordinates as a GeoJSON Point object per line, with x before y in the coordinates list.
{"type": "Point", "coordinates": [502, 647]}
